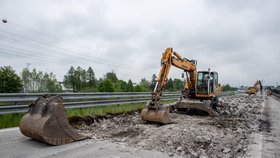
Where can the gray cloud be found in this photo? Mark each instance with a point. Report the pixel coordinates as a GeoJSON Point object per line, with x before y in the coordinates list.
{"type": "Point", "coordinates": [238, 39]}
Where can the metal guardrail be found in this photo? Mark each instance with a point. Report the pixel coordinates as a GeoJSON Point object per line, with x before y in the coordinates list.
{"type": "Point", "coordinates": [81, 100]}
{"type": "Point", "coordinates": [276, 93]}
{"type": "Point", "coordinates": [77, 100]}
{"type": "Point", "coordinates": [21, 97]}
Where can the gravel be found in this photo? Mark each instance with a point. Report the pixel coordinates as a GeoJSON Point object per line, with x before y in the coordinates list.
{"type": "Point", "coordinates": [188, 136]}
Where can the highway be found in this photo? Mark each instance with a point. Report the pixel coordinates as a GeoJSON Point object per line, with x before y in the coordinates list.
{"type": "Point", "coordinates": [271, 129]}
{"type": "Point", "coordinates": [14, 145]}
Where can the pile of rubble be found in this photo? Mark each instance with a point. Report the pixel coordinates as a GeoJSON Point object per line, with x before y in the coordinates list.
{"type": "Point", "coordinates": [194, 136]}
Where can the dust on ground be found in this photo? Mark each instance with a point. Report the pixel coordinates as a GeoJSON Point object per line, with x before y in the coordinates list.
{"type": "Point", "coordinates": [188, 136]}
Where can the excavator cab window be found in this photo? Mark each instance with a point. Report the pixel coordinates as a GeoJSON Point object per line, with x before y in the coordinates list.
{"type": "Point", "coordinates": [203, 82]}
{"type": "Point", "coordinates": [207, 83]}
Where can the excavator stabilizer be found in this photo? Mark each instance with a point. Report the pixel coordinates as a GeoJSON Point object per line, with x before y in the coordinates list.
{"type": "Point", "coordinates": [157, 114]}
{"type": "Point", "coordinates": [197, 105]}
{"type": "Point", "coordinates": [46, 121]}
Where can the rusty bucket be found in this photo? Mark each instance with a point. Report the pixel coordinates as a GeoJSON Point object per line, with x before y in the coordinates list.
{"type": "Point", "coordinates": [46, 121]}
{"type": "Point", "coordinates": [157, 114]}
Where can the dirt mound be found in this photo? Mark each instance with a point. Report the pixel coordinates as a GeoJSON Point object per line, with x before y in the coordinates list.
{"type": "Point", "coordinates": [194, 136]}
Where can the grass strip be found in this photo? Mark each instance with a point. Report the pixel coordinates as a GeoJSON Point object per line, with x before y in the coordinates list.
{"type": "Point", "coordinates": [13, 120]}
{"type": "Point", "coordinates": [10, 120]}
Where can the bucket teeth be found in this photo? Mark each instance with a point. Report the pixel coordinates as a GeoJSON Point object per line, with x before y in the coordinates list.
{"type": "Point", "coordinates": [46, 121]}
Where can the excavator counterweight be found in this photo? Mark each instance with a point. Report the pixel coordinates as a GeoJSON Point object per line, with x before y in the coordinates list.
{"type": "Point", "coordinates": [46, 121]}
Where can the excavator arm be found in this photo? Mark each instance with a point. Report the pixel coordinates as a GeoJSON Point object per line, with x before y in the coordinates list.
{"type": "Point", "coordinates": [172, 58]}
{"type": "Point", "coordinates": [155, 111]}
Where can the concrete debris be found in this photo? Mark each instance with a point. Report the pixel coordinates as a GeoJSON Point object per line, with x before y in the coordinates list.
{"type": "Point", "coordinates": [188, 136]}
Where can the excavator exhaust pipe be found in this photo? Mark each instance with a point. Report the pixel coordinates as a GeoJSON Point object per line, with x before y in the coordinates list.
{"type": "Point", "coordinates": [157, 114]}
{"type": "Point", "coordinates": [46, 121]}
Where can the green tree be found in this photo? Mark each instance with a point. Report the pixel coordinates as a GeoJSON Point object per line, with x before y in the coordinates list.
{"type": "Point", "coordinates": [51, 84]}
{"type": "Point", "coordinates": [69, 80]}
{"type": "Point", "coordinates": [106, 86]}
{"type": "Point", "coordinates": [26, 80]}
{"type": "Point", "coordinates": [10, 82]}
{"type": "Point", "coordinates": [129, 86]}
{"type": "Point", "coordinates": [145, 84]}
{"type": "Point", "coordinates": [178, 84]}
{"type": "Point", "coordinates": [121, 86]}
{"type": "Point", "coordinates": [37, 81]}
{"type": "Point", "coordinates": [111, 76]}
{"type": "Point", "coordinates": [91, 78]}
{"type": "Point", "coordinates": [170, 85]}
{"type": "Point", "coordinates": [139, 88]}
{"type": "Point", "coordinates": [153, 82]}
{"type": "Point", "coordinates": [227, 87]}
{"type": "Point", "coordinates": [78, 78]}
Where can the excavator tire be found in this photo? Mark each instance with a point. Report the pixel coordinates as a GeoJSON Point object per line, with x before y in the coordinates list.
{"type": "Point", "coordinates": [158, 114]}
{"type": "Point", "coordinates": [204, 106]}
{"type": "Point", "coordinates": [46, 121]}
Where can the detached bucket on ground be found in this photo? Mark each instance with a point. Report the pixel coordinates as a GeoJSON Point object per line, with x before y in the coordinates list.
{"type": "Point", "coordinates": [46, 121]}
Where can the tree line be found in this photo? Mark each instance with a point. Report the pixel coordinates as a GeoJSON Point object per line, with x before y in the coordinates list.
{"type": "Point", "coordinates": [75, 80]}
{"type": "Point", "coordinates": [79, 80]}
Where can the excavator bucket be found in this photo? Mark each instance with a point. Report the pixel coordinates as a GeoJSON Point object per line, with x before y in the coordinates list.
{"type": "Point", "coordinates": [157, 114]}
{"type": "Point", "coordinates": [46, 121]}
{"type": "Point", "coordinates": [196, 105]}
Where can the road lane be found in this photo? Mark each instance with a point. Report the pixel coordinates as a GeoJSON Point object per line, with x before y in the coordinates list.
{"type": "Point", "coordinates": [271, 128]}
{"type": "Point", "coordinates": [14, 145]}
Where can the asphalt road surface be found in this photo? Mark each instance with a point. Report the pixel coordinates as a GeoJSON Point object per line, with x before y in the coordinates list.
{"type": "Point", "coordinates": [271, 128]}
{"type": "Point", "coordinates": [14, 145]}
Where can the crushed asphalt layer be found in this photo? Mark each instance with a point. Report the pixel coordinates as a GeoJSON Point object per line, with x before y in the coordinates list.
{"type": "Point", "coordinates": [188, 135]}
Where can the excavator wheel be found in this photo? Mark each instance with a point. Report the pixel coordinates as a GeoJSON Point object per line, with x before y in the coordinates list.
{"type": "Point", "coordinates": [157, 114]}
{"type": "Point", "coordinates": [46, 121]}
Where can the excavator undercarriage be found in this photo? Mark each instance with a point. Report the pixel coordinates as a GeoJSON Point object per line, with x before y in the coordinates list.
{"type": "Point", "coordinates": [195, 106]}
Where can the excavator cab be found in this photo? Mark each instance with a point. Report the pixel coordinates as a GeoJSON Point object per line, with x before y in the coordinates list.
{"type": "Point", "coordinates": [207, 83]}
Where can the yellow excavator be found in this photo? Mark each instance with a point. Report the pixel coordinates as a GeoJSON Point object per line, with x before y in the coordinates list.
{"type": "Point", "coordinates": [254, 89]}
{"type": "Point", "coordinates": [200, 92]}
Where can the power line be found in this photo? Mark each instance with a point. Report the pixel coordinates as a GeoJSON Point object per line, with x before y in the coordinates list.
{"type": "Point", "coordinates": [57, 59]}
{"type": "Point", "coordinates": [43, 54]}
{"type": "Point", "coordinates": [62, 51]}
{"type": "Point", "coordinates": [39, 58]}
{"type": "Point", "coordinates": [54, 37]}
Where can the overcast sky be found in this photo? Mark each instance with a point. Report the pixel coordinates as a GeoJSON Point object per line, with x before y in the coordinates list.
{"type": "Point", "coordinates": [239, 39]}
